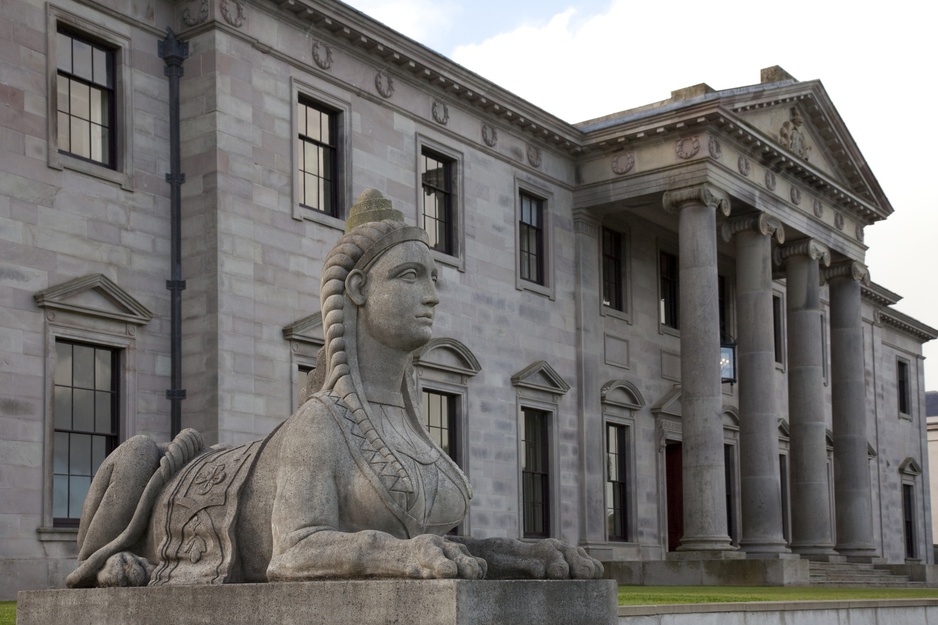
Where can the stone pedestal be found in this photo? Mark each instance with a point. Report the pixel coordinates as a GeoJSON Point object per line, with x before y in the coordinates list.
{"type": "Point", "coordinates": [361, 602]}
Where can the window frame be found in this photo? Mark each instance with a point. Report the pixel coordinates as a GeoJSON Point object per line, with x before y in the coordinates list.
{"type": "Point", "coordinates": [114, 35]}
{"type": "Point", "coordinates": [663, 326]}
{"type": "Point", "coordinates": [547, 489]}
{"type": "Point", "coordinates": [904, 388]}
{"type": "Point", "coordinates": [624, 311]}
{"type": "Point", "coordinates": [343, 165]}
{"type": "Point", "coordinates": [545, 198]}
{"type": "Point", "coordinates": [329, 147]}
{"type": "Point", "coordinates": [112, 438]}
{"type": "Point", "coordinates": [626, 464]}
{"type": "Point", "coordinates": [455, 159]}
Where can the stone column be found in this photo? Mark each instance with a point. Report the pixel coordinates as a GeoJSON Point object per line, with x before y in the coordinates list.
{"type": "Point", "coordinates": [701, 390]}
{"type": "Point", "coordinates": [810, 499]}
{"type": "Point", "coordinates": [854, 507]}
{"type": "Point", "coordinates": [760, 485]}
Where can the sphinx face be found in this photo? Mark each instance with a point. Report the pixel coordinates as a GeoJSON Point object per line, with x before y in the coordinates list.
{"type": "Point", "coordinates": [400, 297]}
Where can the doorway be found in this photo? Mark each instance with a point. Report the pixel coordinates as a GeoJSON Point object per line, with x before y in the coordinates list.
{"type": "Point", "coordinates": [674, 480]}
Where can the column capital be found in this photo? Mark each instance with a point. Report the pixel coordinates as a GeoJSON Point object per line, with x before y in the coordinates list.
{"type": "Point", "coordinates": [760, 222]}
{"type": "Point", "coordinates": [584, 223]}
{"type": "Point", "coordinates": [851, 269]}
{"type": "Point", "coordinates": [705, 194]}
{"type": "Point", "coordinates": [811, 248]}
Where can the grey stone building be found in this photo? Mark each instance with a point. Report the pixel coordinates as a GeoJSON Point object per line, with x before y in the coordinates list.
{"type": "Point", "coordinates": [589, 275]}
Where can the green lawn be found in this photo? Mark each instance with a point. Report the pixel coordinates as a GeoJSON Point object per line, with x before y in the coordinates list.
{"type": "Point", "coordinates": [656, 595]}
{"type": "Point", "coordinates": [7, 613]}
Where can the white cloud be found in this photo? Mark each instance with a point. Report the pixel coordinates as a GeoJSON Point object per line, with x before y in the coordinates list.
{"type": "Point", "coordinates": [426, 21]}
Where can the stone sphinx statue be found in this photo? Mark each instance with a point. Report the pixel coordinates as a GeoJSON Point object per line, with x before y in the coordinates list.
{"type": "Point", "coordinates": [349, 486]}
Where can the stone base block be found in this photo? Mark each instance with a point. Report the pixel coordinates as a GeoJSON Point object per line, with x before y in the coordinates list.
{"type": "Point", "coordinates": [747, 572]}
{"type": "Point", "coordinates": [359, 602]}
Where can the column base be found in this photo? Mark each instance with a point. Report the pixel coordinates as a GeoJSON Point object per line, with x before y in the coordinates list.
{"type": "Point", "coordinates": [767, 549]}
{"type": "Point", "coordinates": [706, 543]}
{"type": "Point", "coordinates": [815, 552]}
{"type": "Point", "coordinates": [708, 554]}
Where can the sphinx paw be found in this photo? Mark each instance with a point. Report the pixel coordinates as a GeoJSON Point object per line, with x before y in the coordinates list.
{"type": "Point", "coordinates": [125, 569]}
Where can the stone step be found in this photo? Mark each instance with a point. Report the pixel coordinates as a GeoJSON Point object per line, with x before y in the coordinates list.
{"type": "Point", "coordinates": [844, 574]}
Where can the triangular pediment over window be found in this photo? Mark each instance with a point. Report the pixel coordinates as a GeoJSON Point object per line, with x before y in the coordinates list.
{"type": "Point", "coordinates": [541, 376]}
{"type": "Point", "coordinates": [910, 467]}
{"type": "Point", "coordinates": [306, 330]}
{"type": "Point", "coordinates": [95, 295]}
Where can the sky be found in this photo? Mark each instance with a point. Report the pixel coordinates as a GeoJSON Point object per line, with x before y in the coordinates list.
{"type": "Point", "coordinates": [581, 59]}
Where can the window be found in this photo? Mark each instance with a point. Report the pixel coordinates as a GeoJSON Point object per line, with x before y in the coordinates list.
{"type": "Point", "coordinates": [722, 301]}
{"type": "Point", "coordinates": [668, 275]}
{"type": "Point", "coordinates": [786, 496]}
{"type": "Point", "coordinates": [778, 314]}
{"type": "Point", "coordinates": [436, 176]}
{"type": "Point", "coordinates": [439, 415]}
{"type": "Point", "coordinates": [86, 103]}
{"type": "Point", "coordinates": [613, 275]}
{"type": "Point", "coordinates": [317, 149]}
{"type": "Point", "coordinates": [531, 239]}
{"type": "Point", "coordinates": [535, 473]}
{"type": "Point", "coordinates": [903, 387]}
{"type": "Point", "coordinates": [908, 519]}
{"type": "Point", "coordinates": [85, 418]}
{"type": "Point", "coordinates": [617, 511]}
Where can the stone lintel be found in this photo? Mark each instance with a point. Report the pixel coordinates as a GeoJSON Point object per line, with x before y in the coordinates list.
{"type": "Point", "coordinates": [811, 248]}
{"type": "Point", "coordinates": [759, 222]}
{"type": "Point", "coordinates": [851, 269]}
{"type": "Point", "coordinates": [702, 194]}
{"type": "Point", "coordinates": [358, 602]}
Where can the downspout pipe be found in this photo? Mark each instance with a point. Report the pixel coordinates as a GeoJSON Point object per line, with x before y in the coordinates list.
{"type": "Point", "coordinates": [174, 52]}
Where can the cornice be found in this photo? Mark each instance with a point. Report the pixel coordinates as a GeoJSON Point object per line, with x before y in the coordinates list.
{"type": "Point", "coordinates": [907, 325]}
{"type": "Point", "coordinates": [878, 294]}
{"type": "Point", "coordinates": [394, 52]}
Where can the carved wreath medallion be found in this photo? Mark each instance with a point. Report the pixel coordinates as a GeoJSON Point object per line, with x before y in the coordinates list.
{"type": "Point", "coordinates": [770, 181]}
{"type": "Point", "coordinates": [839, 221]}
{"type": "Point", "coordinates": [743, 164]}
{"type": "Point", "coordinates": [384, 83]}
{"type": "Point", "coordinates": [714, 146]}
{"type": "Point", "coordinates": [534, 155]}
{"type": "Point", "coordinates": [489, 135]}
{"type": "Point", "coordinates": [795, 195]}
{"type": "Point", "coordinates": [318, 59]}
{"type": "Point", "coordinates": [818, 209]}
{"type": "Point", "coordinates": [687, 147]}
{"type": "Point", "coordinates": [191, 20]}
{"type": "Point", "coordinates": [623, 162]}
{"type": "Point", "coordinates": [236, 18]}
{"type": "Point", "coordinates": [440, 112]}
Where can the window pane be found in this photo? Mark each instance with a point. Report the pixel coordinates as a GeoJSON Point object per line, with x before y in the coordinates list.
{"type": "Point", "coordinates": [80, 102]}
{"type": "Point", "coordinates": [326, 130]}
{"type": "Point", "coordinates": [63, 52]}
{"type": "Point", "coordinates": [81, 59]}
{"type": "Point", "coordinates": [98, 106]}
{"type": "Point", "coordinates": [63, 408]}
{"type": "Point", "coordinates": [65, 144]}
{"type": "Point", "coordinates": [83, 410]}
{"type": "Point", "coordinates": [311, 158]}
{"type": "Point", "coordinates": [63, 364]}
{"type": "Point", "coordinates": [79, 456]}
{"type": "Point", "coordinates": [301, 118]}
{"type": "Point", "coordinates": [98, 452]}
{"type": "Point", "coordinates": [60, 454]}
{"type": "Point", "coordinates": [60, 496]}
{"type": "Point", "coordinates": [102, 412]}
{"type": "Point", "coordinates": [81, 135]}
{"type": "Point", "coordinates": [62, 85]}
{"type": "Point", "coordinates": [101, 74]}
{"type": "Point", "coordinates": [311, 198]}
{"type": "Point", "coordinates": [78, 486]}
{"type": "Point", "coordinates": [102, 369]}
{"type": "Point", "coordinates": [313, 124]}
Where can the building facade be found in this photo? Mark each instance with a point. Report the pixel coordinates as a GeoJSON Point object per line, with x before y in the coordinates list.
{"type": "Point", "coordinates": [589, 275]}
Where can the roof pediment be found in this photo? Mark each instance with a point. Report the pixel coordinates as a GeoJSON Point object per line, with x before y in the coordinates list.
{"type": "Point", "coordinates": [95, 295]}
{"type": "Point", "coordinates": [795, 127]}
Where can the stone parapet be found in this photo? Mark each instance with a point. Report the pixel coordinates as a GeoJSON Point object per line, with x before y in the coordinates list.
{"type": "Point", "coordinates": [369, 602]}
